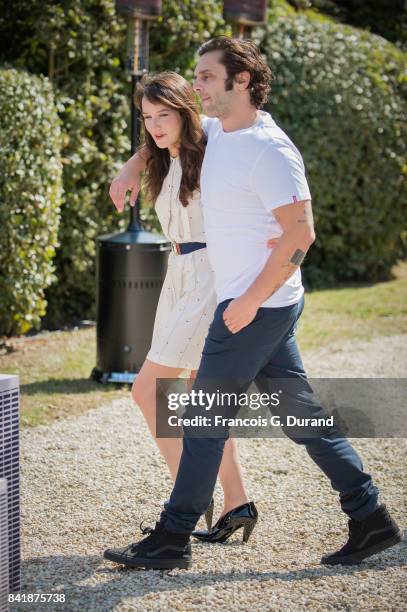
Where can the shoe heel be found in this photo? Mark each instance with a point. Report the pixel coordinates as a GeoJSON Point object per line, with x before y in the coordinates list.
{"type": "Point", "coordinates": [209, 516]}
{"type": "Point", "coordinates": [247, 529]}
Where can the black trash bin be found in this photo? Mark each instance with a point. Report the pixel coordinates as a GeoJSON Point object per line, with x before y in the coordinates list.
{"type": "Point", "coordinates": [130, 270]}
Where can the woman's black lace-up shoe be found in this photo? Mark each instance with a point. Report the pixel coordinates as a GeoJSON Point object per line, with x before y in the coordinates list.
{"type": "Point", "coordinates": [373, 534]}
{"type": "Point", "coordinates": [161, 549]}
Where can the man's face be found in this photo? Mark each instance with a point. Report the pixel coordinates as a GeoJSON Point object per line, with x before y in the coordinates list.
{"type": "Point", "coordinates": [209, 83]}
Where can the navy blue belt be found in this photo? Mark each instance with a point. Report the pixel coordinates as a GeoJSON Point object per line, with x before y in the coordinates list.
{"type": "Point", "coordinates": [182, 248]}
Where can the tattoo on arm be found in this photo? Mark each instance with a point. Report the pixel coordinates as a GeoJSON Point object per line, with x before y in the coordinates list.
{"type": "Point", "coordinates": [295, 260]}
{"type": "Point", "coordinates": [306, 217]}
{"type": "Point", "coordinates": [298, 257]}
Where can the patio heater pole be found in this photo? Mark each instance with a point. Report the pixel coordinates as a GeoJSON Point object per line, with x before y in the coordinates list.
{"type": "Point", "coordinates": [130, 265]}
{"type": "Point", "coordinates": [138, 14]}
{"type": "Point", "coordinates": [244, 14]}
{"type": "Point", "coordinates": [137, 58]}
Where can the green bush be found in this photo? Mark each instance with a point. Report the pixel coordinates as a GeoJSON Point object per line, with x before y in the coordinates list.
{"type": "Point", "coordinates": [388, 18]}
{"type": "Point", "coordinates": [30, 195]}
{"type": "Point", "coordinates": [340, 95]}
{"type": "Point", "coordinates": [81, 45]}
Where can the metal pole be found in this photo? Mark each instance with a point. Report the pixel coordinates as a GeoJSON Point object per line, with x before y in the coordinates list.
{"type": "Point", "coordinates": [131, 265]}
{"type": "Point", "coordinates": [137, 59]}
{"type": "Point", "coordinates": [240, 30]}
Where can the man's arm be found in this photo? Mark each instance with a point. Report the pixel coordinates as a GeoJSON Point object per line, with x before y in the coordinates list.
{"type": "Point", "coordinates": [297, 223]}
{"type": "Point", "coordinates": [129, 179]}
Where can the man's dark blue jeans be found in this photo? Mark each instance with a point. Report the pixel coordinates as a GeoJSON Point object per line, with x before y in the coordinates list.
{"type": "Point", "coordinates": [263, 350]}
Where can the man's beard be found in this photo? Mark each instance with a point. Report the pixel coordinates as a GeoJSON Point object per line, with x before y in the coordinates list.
{"type": "Point", "coordinates": [218, 108]}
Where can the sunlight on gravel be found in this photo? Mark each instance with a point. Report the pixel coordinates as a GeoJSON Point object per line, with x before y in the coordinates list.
{"type": "Point", "coordinates": [88, 481]}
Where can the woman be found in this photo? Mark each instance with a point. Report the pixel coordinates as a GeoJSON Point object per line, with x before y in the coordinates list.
{"type": "Point", "coordinates": [172, 156]}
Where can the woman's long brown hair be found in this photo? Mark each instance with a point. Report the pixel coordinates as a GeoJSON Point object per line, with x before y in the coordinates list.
{"type": "Point", "coordinates": [172, 90]}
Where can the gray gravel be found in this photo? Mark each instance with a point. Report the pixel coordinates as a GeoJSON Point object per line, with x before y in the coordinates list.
{"type": "Point", "coordinates": [87, 482]}
{"type": "Point", "coordinates": [381, 357]}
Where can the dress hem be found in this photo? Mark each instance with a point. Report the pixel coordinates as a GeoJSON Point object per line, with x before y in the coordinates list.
{"type": "Point", "coordinates": [170, 365]}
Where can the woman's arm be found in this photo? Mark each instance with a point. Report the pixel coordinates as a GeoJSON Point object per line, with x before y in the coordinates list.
{"type": "Point", "coordinates": [129, 179]}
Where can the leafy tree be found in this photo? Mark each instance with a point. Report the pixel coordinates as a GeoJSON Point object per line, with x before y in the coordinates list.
{"type": "Point", "coordinates": [81, 45]}
{"type": "Point", "coordinates": [339, 93]}
{"type": "Point", "coordinates": [385, 17]}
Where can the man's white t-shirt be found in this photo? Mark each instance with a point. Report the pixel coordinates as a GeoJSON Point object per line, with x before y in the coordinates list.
{"type": "Point", "coordinates": [245, 175]}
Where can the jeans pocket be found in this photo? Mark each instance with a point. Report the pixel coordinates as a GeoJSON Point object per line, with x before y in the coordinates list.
{"type": "Point", "coordinates": [218, 326]}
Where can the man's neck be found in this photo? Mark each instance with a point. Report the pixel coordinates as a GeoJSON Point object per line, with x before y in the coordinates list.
{"type": "Point", "coordinates": [241, 120]}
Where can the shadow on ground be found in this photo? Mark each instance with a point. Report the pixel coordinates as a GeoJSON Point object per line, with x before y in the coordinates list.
{"type": "Point", "coordinates": [115, 583]}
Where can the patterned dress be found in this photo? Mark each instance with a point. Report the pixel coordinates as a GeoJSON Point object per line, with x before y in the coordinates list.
{"type": "Point", "coordinates": [187, 301]}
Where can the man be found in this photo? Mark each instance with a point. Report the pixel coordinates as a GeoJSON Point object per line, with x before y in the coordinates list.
{"type": "Point", "coordinates": [253, 186]}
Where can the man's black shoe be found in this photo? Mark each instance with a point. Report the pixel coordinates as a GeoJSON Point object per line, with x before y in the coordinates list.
{"type": "Point", "coordinates": [373, 534]}
{"type": "Point", "coordinates": [161, 549]}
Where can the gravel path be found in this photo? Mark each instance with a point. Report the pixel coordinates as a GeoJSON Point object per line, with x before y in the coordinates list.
{"type": "Point", "coordinates": [87, 482]}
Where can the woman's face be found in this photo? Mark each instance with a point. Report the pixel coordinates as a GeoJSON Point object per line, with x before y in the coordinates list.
{"type": "Point", "coordinates": [163, 123]}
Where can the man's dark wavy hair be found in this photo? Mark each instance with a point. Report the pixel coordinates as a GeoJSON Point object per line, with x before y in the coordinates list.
{"type": "Point", "coordinates": [239, 55]}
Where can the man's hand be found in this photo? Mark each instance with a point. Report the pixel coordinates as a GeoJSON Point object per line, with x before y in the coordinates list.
{"type": "Point", "coordinates": [124, 182]}
{"type": "Point", "coordinates": [129, 179]}
{"type": "Point", "coordinates": [239, 313]}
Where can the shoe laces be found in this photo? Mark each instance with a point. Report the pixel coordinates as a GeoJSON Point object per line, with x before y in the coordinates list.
{"type": "Point", "coordinates": [150, 532]}
{"type": "Point", "coordinates": [145, 530]}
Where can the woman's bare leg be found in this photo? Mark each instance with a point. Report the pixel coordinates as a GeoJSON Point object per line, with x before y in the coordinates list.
{"type": "Point", "coordinates": [144, 394]}
{"type": "Point", "coordinates": [230, 472]}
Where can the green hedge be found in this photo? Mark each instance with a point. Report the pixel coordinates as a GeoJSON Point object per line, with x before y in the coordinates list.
{"type": "Point", "coordinates": [30, 195]}
{"type": "Point", "coordinates": [338, 92]}
{"type": "Point", "coordinates": [81, 46]}
{"type": "Point", "coordinates": [388, 18]}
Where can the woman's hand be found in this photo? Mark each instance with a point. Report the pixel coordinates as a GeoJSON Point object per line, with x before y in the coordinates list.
{"type": "Point", "coordinates": [125, 181]}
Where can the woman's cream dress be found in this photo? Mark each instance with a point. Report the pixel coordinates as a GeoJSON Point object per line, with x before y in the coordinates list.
{"type": "Point", "coordinates": [187, 301]}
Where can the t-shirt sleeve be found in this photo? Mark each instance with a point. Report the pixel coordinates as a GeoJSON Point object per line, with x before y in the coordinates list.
{"type": "Point", "coordinates": [279, 177]}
